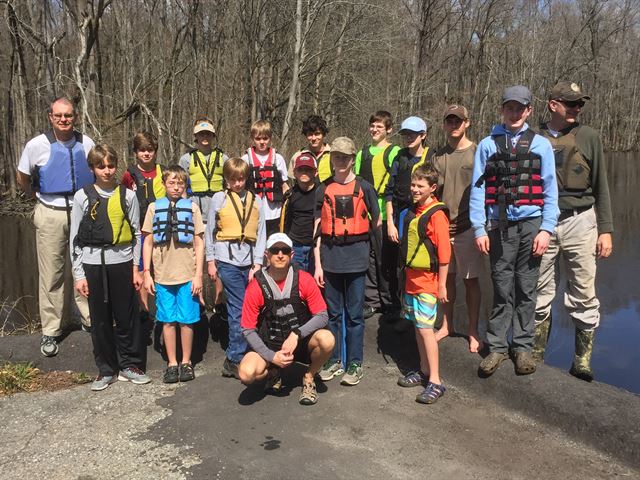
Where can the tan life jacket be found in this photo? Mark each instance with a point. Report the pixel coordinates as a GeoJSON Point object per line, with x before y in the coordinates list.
{"type": "Point", "coordinates": [237, 220]}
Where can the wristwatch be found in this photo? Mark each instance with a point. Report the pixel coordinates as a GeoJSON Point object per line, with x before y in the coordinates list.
{"type": "Point", "coordinates": [297, 332]}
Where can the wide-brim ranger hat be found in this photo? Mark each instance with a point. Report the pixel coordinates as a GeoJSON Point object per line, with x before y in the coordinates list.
{"type": "Point", "coordinates": [456, 111]}
{"type": "Point", "coordinates": [413, 124]}
{"type": "Point", "coordinates": [567, 91]}
{"type": "Point", "coordinates": [279, 238]}
{"type": "Point", "coordinates": [517, 93]}
{"type": "Point", "coordinates": [343, 145]}
{"type": "Point", "coordinates": [204, 126]}
{"type": "Point", "coordinates": [305, 159]}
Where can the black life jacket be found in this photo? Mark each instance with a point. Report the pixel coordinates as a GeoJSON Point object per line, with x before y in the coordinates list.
{"type": "Point", "coordinates": [106, 222]}
{"type": "Point", "coordinates": [402, 187]}
{"type": "Point", "coordinates": [147, 189]}
{"type": "Point", "coordinates": [283, 311]}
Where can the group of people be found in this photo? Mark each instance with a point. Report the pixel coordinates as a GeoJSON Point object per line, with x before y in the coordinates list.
{"type": "Point", "coordinates": [299, 264]}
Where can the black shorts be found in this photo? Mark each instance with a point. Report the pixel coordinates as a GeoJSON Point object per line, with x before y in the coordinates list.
{"type": "Point", "coordinates": [301, 353]}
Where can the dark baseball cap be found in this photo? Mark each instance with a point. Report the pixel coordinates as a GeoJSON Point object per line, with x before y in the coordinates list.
{"type": "Point", "coordinates": [568, 91]}
{"type": "Point", "coordinates": [457, 111]}
{"type": "Point", "coordinates": [517, 93]}
{"type": "Point", "coordinates": [305, 160]}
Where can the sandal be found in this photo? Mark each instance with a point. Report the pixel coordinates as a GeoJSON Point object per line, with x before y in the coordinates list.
{"type": "Point", "coordinates": [309, 394]}
{"type": "Point", "coordinates": [274, 381]}
{"type": "Point", "coordinates": [413, 379]}
{"type": "Point", "coordinates": [431, 394]}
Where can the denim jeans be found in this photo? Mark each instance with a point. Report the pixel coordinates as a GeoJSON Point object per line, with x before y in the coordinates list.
{"type": "Point", "coordinates": [303, 256]}
{"type": "Point", "coordinates": [234, 279]}
{"type": "Point", "coordinates": [346, 291]}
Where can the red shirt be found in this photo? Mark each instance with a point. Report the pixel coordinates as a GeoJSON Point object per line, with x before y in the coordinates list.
{"type": "Point", "coordinates": [422, 281]}
{"type": "Point", "coordinates": [129, 182]}
{"type": "Point", "coordinates": [254, 301]}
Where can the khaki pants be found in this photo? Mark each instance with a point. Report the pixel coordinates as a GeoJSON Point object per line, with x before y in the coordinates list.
{"type": "Point", "coordinates": [52, 241]}
{"type": "Point", "coordinates": [573, 243]}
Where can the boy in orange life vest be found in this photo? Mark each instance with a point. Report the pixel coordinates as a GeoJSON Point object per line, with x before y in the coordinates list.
{"type": "Point", "coordinates": [267, 175]}
{"type": "Point", "coordinates": [425, 253]}
{"type": "Point", "coordinates": [346, 210]}
{"type": "Point", "coordinates": [144, 178]}
{"type": "Point", "coordinates": [314, 128]}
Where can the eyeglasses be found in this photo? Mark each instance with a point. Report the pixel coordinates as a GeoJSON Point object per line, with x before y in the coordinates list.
{"type": "Point", "coordinates": [276, 250]}
{"type": "Point", "coordinates": [60, 116]}
{"type": "Point", "coordinates": [572, 103]}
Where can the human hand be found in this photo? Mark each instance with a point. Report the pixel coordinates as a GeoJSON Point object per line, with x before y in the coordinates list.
{"type": "Point", "coordinates": [196, 286]}
{"type": "Point", "coordinates": [253, 271]}
{"type": "Point", "coordinates": [82, 287]}
{"type": "Point", "coordinates": [137, 278]}
{"type": "Point", "coordinates": [149, 285]}
{"type": "Point", "coordinates": [212, 270]}
{"type": "Point", "coordinates": [290, 344]}
{"type": "Point", "coordinates": [442, 293]}
{"type": "Point", "coordinates": [604, 246]}
{"type": "Point", "coordinates": [318, 276]}
{"type": "Point", "coordinates": [541, 243]}
{"type": "Point", "coordinates": [483, 244]}
{"type": "Point", "coordinates": [282, 359]}
{"type": "Point", "coordinates": [392, 232]}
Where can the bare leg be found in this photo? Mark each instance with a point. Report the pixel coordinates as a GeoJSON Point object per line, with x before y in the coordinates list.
{"type": "Point", "coordinates": [219, 288]}
{"type": "Point", "coordinates": [430, 345]}
{"type": "Point", "coordinates": [472, 288]}
{"type": "Point", "coordinates": [169, 337]}
{"type": "Point", "coordinates": [424, 363]}
{"type": "Point", "coordinates": [186, 340]}
{"type": "Point", "coordinates": [320, 349]}
{"type": "Point", "coordinates": [252, 368]}
{"type": "Point", "coordinates": [447, 308]}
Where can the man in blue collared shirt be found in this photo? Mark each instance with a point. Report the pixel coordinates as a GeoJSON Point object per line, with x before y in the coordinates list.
{"type": "Point", "coordinates": [513, 210]}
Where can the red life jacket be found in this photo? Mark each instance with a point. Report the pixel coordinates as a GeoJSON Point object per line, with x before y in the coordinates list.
{"type": "Point", "coordinates": [344, 216]}
{"type": "Point", "coordinates": [265, 180]}
{"type": "Point", "coordinates": [512, 174]}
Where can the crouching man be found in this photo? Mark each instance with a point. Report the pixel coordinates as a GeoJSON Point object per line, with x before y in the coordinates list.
{"type": "Point", "coordinates": [283, 320]}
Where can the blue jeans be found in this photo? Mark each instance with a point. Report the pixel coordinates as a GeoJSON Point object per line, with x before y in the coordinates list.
{"type": "Point", "coordinates": [234, 279]}
{"type": "Point", "coordinates": [346, 291]}
{"type": "Point", "coordinates": [303, 256]}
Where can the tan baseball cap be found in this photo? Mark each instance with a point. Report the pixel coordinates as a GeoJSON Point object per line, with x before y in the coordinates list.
{"type": "Point", "coordinates": [204, 126]}
{"type": "Point", "coordinates": [457, 111]}
{"type": "Point", "coordinates": [343, 145]}
{"type": "Point", "coordinates": [568, 91]}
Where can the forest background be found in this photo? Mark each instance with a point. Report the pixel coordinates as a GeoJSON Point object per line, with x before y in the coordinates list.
{"type": "Point", "coordinates": [157, 64]}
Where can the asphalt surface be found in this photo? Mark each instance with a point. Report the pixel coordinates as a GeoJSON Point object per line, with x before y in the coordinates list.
{"type": "Point", "coordinates": [548, 425]}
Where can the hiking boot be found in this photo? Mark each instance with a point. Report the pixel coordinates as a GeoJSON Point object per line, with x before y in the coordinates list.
{"type": "Point", "coordinates": [353, 375]}
{"type": "Point", "coordinates": [431, 393]}
{"type": "Point", "coordinates": [413, 379]}
{"type": "Point", "coordinates": [332, 368]}
{"type": "Point", "coordinates": [186, 372]}
{"type": "Point", "coordinates": [491, 362]}
{"type": "Point", "coordinates": [133, 375]}
{"type": "Point", "coordinates": [309, 394]}
{"type": "Point", "coordinates": [540, 339]}
{"type": "Point", "coordinates": [49, 346]}
{"type": "Point", "coordinates": [171, 374]}
{"type": "Point", "coordinates": [101, 382]}
{"type": "Point", "coordinates": [525, 364]}
{"type": "Point", "coordinates": [274, 380]}
{"type": "Point", "coordinates": [368, 311]}
{"type": "Point", "coordinates": [230, 369]}
{"type": "Point", "coordinates": [581, 367]}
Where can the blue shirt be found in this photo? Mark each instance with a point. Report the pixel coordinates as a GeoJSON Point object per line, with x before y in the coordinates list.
{"type": "Point", "coordinates": [479, 214]}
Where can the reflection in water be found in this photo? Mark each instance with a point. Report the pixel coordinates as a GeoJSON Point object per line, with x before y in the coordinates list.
{"type": "Point", "coordinates": [616, 357]}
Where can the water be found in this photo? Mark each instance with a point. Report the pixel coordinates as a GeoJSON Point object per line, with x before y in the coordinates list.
{"type": "Point", "coordinates": [616, 357]}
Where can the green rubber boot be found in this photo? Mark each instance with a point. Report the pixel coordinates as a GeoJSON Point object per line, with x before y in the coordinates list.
{"type": "Point", "coordinates": [581, 367]}
{"type": "Point", "coordinates": [540, 339]}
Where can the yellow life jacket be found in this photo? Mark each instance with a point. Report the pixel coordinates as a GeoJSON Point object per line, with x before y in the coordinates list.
{"type": "Point", "coordinates": [375, 169]}
{"type": "Point", "coordinates": [205, 177]}
{"type": "Point", "coordinates": [238, 220]}
{"type": "Point", "coordinates": [416, 248]}
{"type": "Point", "coordinates": [105, 222]}
{"type": "Point", "coordinates": [148, 190]}
{"type": "Point", "coordinates": [324, 166]}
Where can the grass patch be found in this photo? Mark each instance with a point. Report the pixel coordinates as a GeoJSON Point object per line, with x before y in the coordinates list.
{"type": "Point", "coordinates": [24, 377]}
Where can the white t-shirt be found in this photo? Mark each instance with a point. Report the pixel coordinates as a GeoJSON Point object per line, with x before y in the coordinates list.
{"type": "Point", "coordinates": [36, 154]}
{"type": "Point", "coordinates": [271, 210]}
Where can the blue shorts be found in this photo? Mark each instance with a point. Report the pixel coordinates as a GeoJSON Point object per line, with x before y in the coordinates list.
{"type": "Point", "coordinates": [174, 303]}
{"type": "Point", "coordinates": [420, 309]}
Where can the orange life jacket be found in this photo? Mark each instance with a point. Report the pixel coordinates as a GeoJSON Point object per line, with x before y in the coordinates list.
{"type": "Point", "coordinates": [344, 217]}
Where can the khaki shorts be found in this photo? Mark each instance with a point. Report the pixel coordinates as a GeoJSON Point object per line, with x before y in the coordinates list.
{"type": "Point", "coordinates": [466, 259]}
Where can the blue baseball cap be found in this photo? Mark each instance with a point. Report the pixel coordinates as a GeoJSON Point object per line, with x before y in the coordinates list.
{"type": "Point", "coordinates": [517, 93]}
{"type": "Point", "coordinates": [413, 124]}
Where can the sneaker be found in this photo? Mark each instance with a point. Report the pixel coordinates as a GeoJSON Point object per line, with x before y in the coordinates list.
{"type": "Point", "coordinates": [353, 375]}
{"type": "Point", "coordinates": [332, 368]}
{"type": "Point", "coordinates": [368, 311]}
{"type": "Point", "coordinates": [101, 382]}
{"type": "Point", "coordinates": [85, 328]}
{"type": "Point", "coordinates": [186, 372]}
{"type": "Point", "coordinates": [230, 369]}
{"type": "Point", "coordinates": [431, 394]}
{"type": "Point", "coordinates": [491, 362]}
{"type": "Point", "coordinates": [309, 394]}
{"type": "Point", "coordinates": [133, 375]}
{"type": "Point", "coordinates": [49, 346]}
{"type": "Point", "coordinates": [274, 380]}
{"type": "Point", "coordinates": [171, 374]}
{"type": "Point", "coordinates": [413, 379]}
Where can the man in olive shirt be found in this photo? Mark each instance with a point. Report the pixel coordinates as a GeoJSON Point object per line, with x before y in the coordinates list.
{"type": "Point", "coordinates": [454, 164]}
{"type": "Point", "coordinates": [584, 227]}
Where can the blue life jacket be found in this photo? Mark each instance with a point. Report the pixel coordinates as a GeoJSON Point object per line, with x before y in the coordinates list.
{"type": "Point", "coordinates": [66, 171]}
{"type": "Point", "coordinates": [173, 221]}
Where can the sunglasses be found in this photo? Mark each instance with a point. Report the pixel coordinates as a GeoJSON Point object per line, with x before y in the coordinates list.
{"type": "Point", "coordinates": [572, 103]}
{"type": "Point", "coordinates": [276, 250]}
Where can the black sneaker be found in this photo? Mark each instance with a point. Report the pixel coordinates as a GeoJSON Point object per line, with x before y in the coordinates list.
{"type": "Point", "coordinates": [230, 369]}
{"type": "Point", "coordinates": [186, 372]}
{"type": "Point", "coordinates": [171, 374]}
{"type": "Point", "coordinates": [49, 346]}
{"type": "Point", "coordinates": [368, 311]}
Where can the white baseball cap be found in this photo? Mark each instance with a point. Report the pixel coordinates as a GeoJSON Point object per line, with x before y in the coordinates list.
{"type": "Point", "coordinates": [279, 238]}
